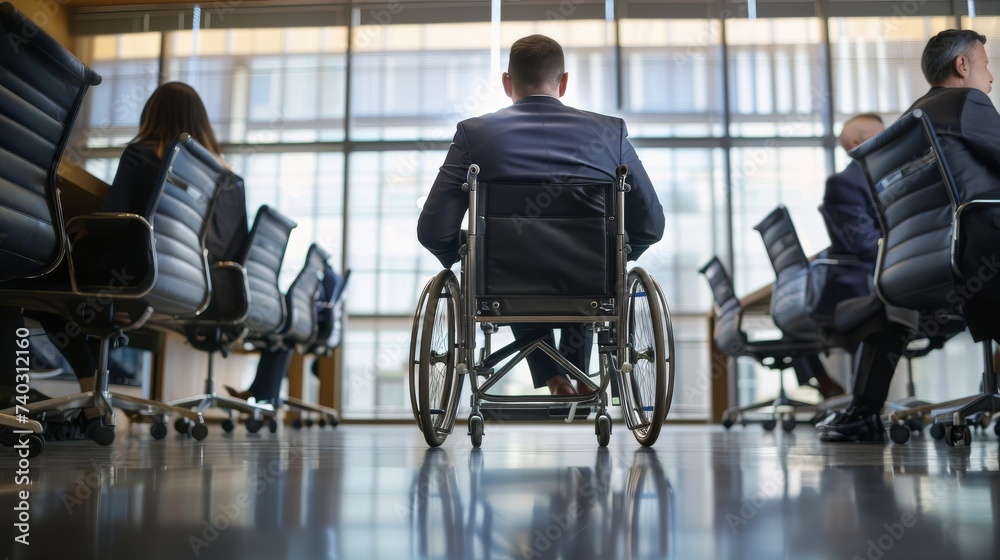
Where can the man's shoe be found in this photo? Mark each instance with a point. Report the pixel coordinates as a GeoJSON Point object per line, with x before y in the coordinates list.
{"type": "Point", "coordinates": [856, 424]}
{"type": "Point", "coordinates": [560, 385]}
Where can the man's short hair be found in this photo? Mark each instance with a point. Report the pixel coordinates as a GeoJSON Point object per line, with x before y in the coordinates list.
{"type": "Point", "coordinates": [535, 60]}
{"type": "Point", "coordinates": [942, 50]}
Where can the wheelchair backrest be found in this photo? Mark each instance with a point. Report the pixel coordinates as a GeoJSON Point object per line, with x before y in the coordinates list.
{"type": "Point", "coordinates": [42, 87]}
{"type": "Point", "coordinates": [545, 248]}
{"type": "Point", "coordinates": [915, 198]}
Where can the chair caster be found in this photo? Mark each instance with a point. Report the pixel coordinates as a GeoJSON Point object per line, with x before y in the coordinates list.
{"type": "Point", "coordinates": [199, 432]}
{"type": "Point", "coordinates": [769, 424]}
{"type": "Point", "coordinates": [476, 430]}
{"type": "Point", "coordinates": [158, 430]}
{"type": "Point", "coordinates": [996, 428]}
{"type": "Point", "coordinates": [101, 434]}
{"type": "Point", "coordinates": [272, 426]}
{"type": "Point", "coordinates": [899, 433]}
{"type": "Point", "coordinates": [788, 424]}
{"type": "Point", "coordinates": [958, 436]}
{"type": "Point", "coordinates": [7, 437]}
{"type": "Point", "coordinates": [182, 425]}
{"type": "Point", "coordinates": [937, 431]}
{"type": "Point", "coordinates": [603, 429]}
{"type": "Point", "coordinates": [228, 425]}
{"type": "Point", "coordinates": [309, 422]}
{"type": "Point", "coordinates": [36, 444]}
{"type": "Point", "coordinates": [253, 425]}
{"type": "Point", "coordinates": [297, 424]}
{"type": "Point", "coordinates": [727, 423]}
{"type": "Point", "coordinates": [64, 431]}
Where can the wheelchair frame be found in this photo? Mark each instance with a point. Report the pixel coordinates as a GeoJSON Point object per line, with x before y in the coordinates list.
{"type": "Point", "coordinates": [633, 329]}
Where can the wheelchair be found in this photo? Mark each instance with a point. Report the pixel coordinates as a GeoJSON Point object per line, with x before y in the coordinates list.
{"type": "Point", "coordinates": [517, 267]}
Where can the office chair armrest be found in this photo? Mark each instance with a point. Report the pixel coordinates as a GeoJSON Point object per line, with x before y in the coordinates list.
{"type": "Point", "coordinates": [976, 229]}
{"type": "Point", "coordinates": [111, 254]}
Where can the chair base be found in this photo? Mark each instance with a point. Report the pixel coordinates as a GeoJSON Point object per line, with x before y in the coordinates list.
{"type": "Point", "coordinates": [211, 400]}
{"type": "Point", "coordinates": [327, 415]}
{"type": "Point", "coordinates": [780, 409]}
{"type": "Point", "coordinates": [11, 421]}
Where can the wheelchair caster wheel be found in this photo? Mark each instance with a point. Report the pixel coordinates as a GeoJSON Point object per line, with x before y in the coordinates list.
{"type": "Point", "coordinates": [476, 430]}
{"type": "Point", "coordinates": [199, 432]}
{"type": "Point", "coordinates": [788, 424]}
{"type": "Point", "coordinates": [272, 425]}
{"type": "Point", "coordinates": [937, 431]}
{"type": "Point", "coordinates": [254, 425]}
{"type": "Point", "coordinates": [101, 434]}
{"type": "Point", "coordinates": [228, 425]}
{"type": "Point", "coordinates": [182, 425]}
{"type": "Point", "coordinates": [158, 430]}
{"type": "Point", "coordinates": [899, 433]}
{"type": "Point", "coordinates": [603, 430]}
{"type": "Point", "coordinates": [958, 436]}
{"type": "Point", "coordinates": [769, 424]}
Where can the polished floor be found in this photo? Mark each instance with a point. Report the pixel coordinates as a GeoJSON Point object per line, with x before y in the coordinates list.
{"type": "Point", "coordinates": [532, 491]}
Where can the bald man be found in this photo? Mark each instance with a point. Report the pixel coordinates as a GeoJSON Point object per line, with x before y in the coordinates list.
{"type": "Point", "coordinates": [848, 208]}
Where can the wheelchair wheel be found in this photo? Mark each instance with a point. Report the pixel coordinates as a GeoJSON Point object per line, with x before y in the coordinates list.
{"type": "Point", "coordinates": [434, 383]}
{"type": "Point", "coordinates": [650, 352]}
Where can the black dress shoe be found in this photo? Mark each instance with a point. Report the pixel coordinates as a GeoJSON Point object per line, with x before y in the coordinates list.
{"type": "Point", "coordinates": [856, 424]}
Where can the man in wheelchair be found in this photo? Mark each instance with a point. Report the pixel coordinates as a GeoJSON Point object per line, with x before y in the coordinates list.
{"type": "Point", "coordinates": [539, 140]}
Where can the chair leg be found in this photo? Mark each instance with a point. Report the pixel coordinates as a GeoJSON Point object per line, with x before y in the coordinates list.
{"type": "Point", "coordinates": [211, 399]}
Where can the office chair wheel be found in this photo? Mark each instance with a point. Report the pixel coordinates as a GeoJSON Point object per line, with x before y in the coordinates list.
{"type": "Point", "coordinates": [434, 358]}
{"type": "Point", "coordinates": [7, 437]}
{"type": "Point", "coordinates": [309, 422]}
{"type": "Point", "coordinates": [727, 423]}
{"type": "Point", "coordinates": [228, 425]}
{"type": "Point", "coordinates": [182, 425]}
{"type": "Point", "coordinates": [650, 352]}
{"type": "Point", "coordinates": [253, 425]}
{"type": "Point", "coordinates": [937, 430]}
{"type": "Point", "coordinates": [101, 434]}
{"type": "Point", "coordinates": [899, 433]}
{"type": "Point", "coordinates": [603, 430]}
{"type": "Point", "coordinates": [996, 427]}
{"type": "Point", "coordinates": [958, 436]}
{"type": "Point", "coordinates": [297, 424]}
{"type": "Point", "coordinates": [36, 444]}
{"type": "Point", "coordinates": [272, 426]}
{"type": "Point", "coordinates": [769, 424]}
{"type": "Point", "coordinates": [788, 423]}
{"type": "Point", "coordinates": [199, 432]}
{"type": "Point", "coordinates": [158, 430]}
{"type": "Point", "coordinates": [64, 431]}
{"type": "Point", "coordinates": [322, 422]}
{"type": "Point", "coordinates": [476, 429]}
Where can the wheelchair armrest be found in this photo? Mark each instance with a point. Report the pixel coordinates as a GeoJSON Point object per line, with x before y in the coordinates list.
{"type": "Point", "coordinates": [121, 257]}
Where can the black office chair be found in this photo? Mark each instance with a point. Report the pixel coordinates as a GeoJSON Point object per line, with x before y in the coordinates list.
{"type": "Point", "coordinates": [157, 272]}
{"type": "Point", "coordinates": [923, 236]}
{"type": "Point", "coordinates": [42, 87]}
{"type": "Point", "coordinates": [779, 354]}
{"type": "Point", "coordinates": [245, 295]}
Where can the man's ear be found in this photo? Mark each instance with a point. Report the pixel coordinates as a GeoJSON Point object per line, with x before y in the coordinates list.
{"type": "Point", "coordinates": [962, 66]}
{"type": "Point", "coordinates": [562, 83]}
{"type": "Point", "coordinates": [505, 78]}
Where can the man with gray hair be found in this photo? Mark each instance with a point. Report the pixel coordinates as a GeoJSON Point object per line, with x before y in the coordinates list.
{"type": "Point", "coordinates": [968, 129]}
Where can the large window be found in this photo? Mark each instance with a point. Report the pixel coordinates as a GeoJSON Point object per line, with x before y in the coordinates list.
{"type": "Point", "coordinates": [343, 125]}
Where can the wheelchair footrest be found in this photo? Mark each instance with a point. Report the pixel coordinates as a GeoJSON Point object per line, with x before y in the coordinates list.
{"type": "Point", "coordinates": [504, 412]}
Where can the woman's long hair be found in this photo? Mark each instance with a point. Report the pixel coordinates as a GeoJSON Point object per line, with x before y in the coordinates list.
{"type": "Point", "coordinates": [174, 108]}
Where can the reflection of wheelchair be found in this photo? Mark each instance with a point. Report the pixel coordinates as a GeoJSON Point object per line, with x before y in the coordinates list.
{"type": "Point", "coordinates": [613, 510]}
{"type": "Point", "coordinates": [517, 267]}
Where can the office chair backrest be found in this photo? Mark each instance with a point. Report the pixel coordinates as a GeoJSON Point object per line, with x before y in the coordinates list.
{"type": "Point", "coordinates": [728, 334]}
{"type": "Point", "coordinates": [302, 297]}
{"type": "Point", "coordinates": [789, 307]}
{"type": "Point", "coordinates": [915, 198]}
{"type": "Point", "coordinates": [782, 242]}
{"type": "Point", "coordinates": [42, 87]}
{"type": "Point", "coordinates": [543, 242]}
{"type": "Point", "coordinates": [189, 180]}
{"type": "Point", "coordinates": [262, 260]}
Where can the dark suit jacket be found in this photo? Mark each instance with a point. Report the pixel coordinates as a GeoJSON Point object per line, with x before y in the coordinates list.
{"type": "Point", "coordinates": [537, 139]}
{"type": "Point", "coordinates": [851, 219]}
{"type": "Point", "coordinates": [968, 128]}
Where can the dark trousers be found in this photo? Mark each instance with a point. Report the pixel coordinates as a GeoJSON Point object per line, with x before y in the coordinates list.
{"type": "Point", "coordinates": [80, 350]}
{"type": "Point", "coordinates": [875, 363]}
{"type": "Point", "coordinates": [271, 370]}
{"type": "Point", "coordinates": [575, 344]}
